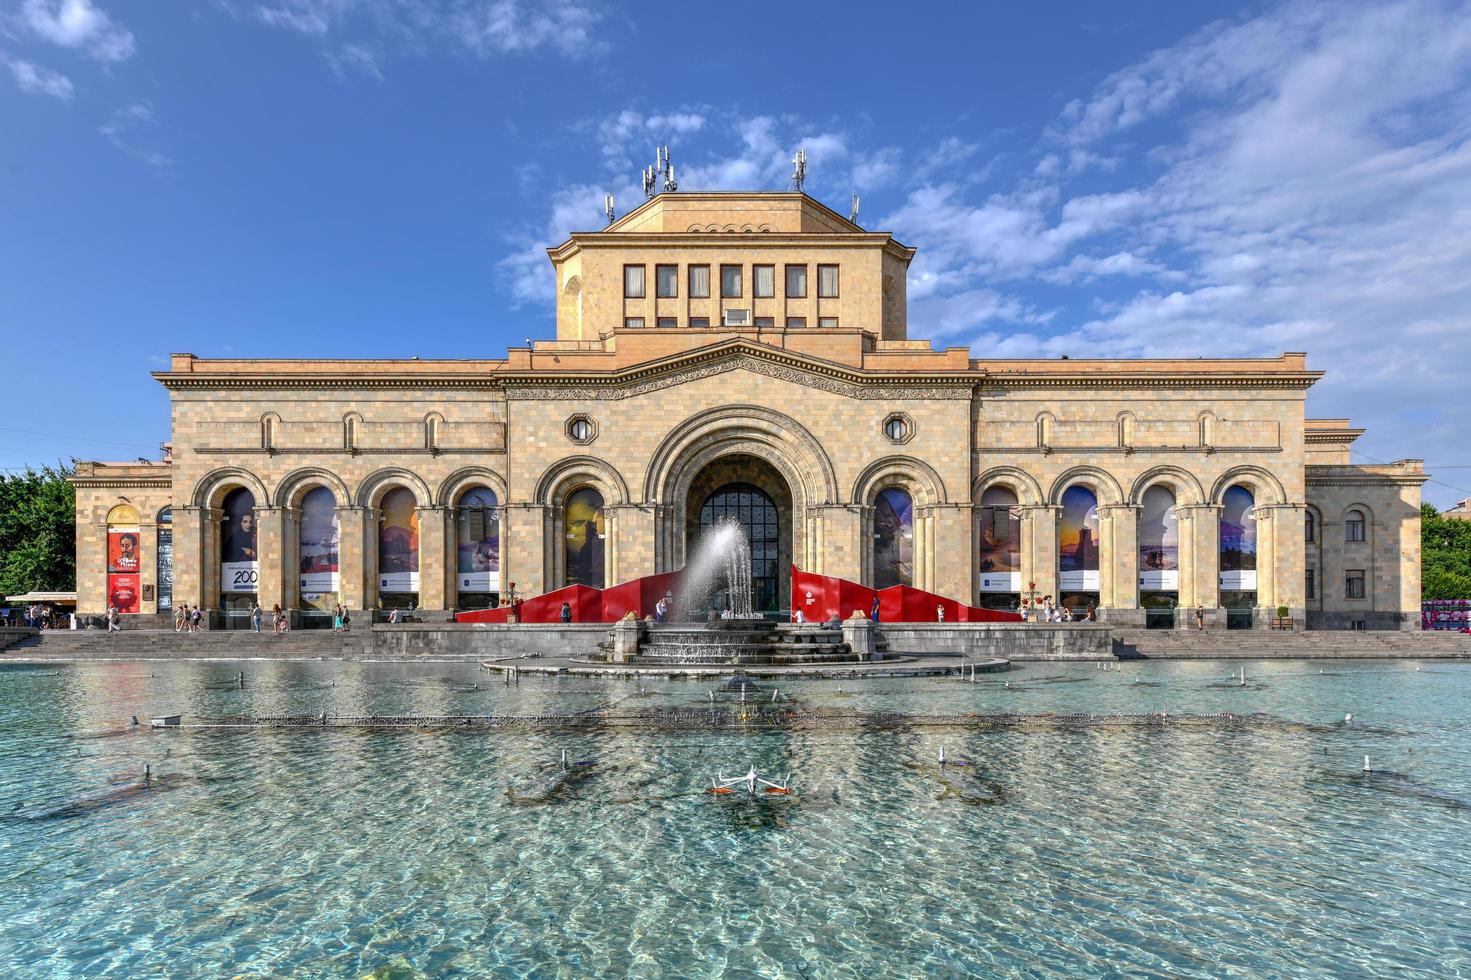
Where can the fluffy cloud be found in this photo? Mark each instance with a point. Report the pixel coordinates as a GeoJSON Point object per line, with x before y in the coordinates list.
{"type": "Point", "coordinates": [127, 130]}
{"type": "Point", "coordinates": [78, 24]}
{"type": "Point", "coordinates": [35, 80]}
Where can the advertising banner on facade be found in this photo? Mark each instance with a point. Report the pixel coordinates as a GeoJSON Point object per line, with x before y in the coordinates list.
{"type": "Point", "coordinates": [165, 567]}
{"type": "Point", "coordinates": [318, 544]}
{"type": "Point", "coordinates": [1238, 540]}
{"type": "Point", "coordinates": [239, 557]}
{"type": "Point", "coordinates": [479, 545]}
{"type": "Point", "coordinates": [893, 538]}
{"type": "Point", "coordinates": [586, 529]}
{"type": "Point", "coordinates": [123, 564]}
{"type": "Point", "coordinates": [998, 555]}
{"type": "Point", "coordinates": [1077, 541]}
{"type": "Point", "coordinates": [1159, 542]}
{"type": "Point", "coordinates": [398, 543]}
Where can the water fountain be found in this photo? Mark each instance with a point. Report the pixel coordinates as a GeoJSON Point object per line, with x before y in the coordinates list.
{"type": "Point", "coordinates": [713, 621]}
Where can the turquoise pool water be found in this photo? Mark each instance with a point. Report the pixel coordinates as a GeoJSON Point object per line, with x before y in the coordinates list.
{"type": "Point", "coordinates": [1261, 851]}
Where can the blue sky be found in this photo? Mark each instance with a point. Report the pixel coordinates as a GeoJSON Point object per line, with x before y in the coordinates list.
{"type": "Point", "coordinates": [373, 178]}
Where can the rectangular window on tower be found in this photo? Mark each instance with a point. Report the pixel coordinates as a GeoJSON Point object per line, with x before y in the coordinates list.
{"type": "Point", "coordinates": [1353, 583]}
{"type": "Point", "coordinates": [796, 282]}
{"type": "Point", "coordinates": [699, 282]}
{"type": "Point", "coordinates": [730, 281]}
{"type": "Point", "coordinates": [1310, 587]}
{"type": "Point", "coordinates": [633, 282]}
{"type": "Point", "coordinates": [668, 323]}
{"type": "Point", "coordinates": [667, 280]}
{"type": "Point", "coordinates": [827, 281]}
{"type": "Point", "coordinates": [763, 281]}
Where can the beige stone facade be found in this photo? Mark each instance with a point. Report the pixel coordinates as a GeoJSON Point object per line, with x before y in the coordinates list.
{"type": "Point", "coordinates": [657, 396]}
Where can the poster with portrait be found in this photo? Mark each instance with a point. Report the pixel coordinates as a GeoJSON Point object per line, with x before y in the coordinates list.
{"type": "Point", "coordinates": [998, 557]}
{"type": "Point", "coordinates": [123, 551]}
{"type": "Point", "coordinates": [398, 542]}
{"type": "Point", "coordinates": [1238, 540]}
{"type": "Point", "coordinates": [239, 557]}
{"type": "Point", "coordinates": [1077, 540]}
{"type": "Point", "coordinates": [318, 543]}
{"type": "Point", "coordinates": [479, 544]}
{"type": "Point", "coordinates": [1159, 542]}
{"type": "Point", "coordinates": [586, 531]}
{"type": "Point", "coordinates": [893, 538]}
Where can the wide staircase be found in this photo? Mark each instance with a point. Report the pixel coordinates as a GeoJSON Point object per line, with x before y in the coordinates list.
{"type": "Point", "coordinates": [1326, 644]}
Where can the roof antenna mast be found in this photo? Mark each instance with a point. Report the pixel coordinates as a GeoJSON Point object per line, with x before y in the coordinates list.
{"type": "Point", "coordinates": [666, 167]}
{"type": "Point", "coordinates": [853, 216]}
{"type": "Point", "coordinates": [799, 170]}
{"type": "Point", "coordinates": [608, 210]}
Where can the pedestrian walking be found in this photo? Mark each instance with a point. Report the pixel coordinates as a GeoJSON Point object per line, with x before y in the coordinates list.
{"type": "Point", "coordinates": [255, 616]}
{"type": "Point", "coordinates": [112, 626]}
{"type": "Point", "coordinates": [873, 613]}
{"type": "Point", "coordinates": [567, 612]}
{"type": "Point", "coordinates": [1200, 617]}
{"type": "Point", "coordinates": [196, 620]}
{"type": "Point", "coordinates": [346, 620]}
{"type": "Point", "coordinates": [337, 618]}
{"type": "Point", "coordinates": [181, 618]}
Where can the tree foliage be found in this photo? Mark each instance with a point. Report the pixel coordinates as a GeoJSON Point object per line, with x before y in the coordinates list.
{"type": "Point", "coordinates": [1445, 556]}
{"type": "Point", "coordinates": [38, 545]}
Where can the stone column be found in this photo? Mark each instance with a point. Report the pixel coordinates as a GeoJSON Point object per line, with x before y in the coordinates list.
{"type": "Point", "coordinates": [954, 553]}
{"type": "Point", "coordinates": [189, 556]}
{"type": "Point", "coordinates": [434, 586]}
{"type": "Point", "coordinates": [91, 543]}
{"type": "Point", "coordinates": [353, 566]}
{"type": "Point", "coordinates": [147, 568]}
{"type": "Point", "coordinates": [1039, 548]}
{"type": "Point", "coordinates": [1119, 567]}
{"type": "Point", "coordinates": [291, 559]}
{"type": "Point", "coordinates": [1200, 547]}
{"type": "Point", "coordinates": [271, 541]}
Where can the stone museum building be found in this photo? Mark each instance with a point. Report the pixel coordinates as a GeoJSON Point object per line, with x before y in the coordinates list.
{"type": "Point", "coordinates": [748, 356]}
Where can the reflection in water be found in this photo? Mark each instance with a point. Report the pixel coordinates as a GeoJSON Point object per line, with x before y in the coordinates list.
{"type": "Point", "coordinates": [1043, 845]}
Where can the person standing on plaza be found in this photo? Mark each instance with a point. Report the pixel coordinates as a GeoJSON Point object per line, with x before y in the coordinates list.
{"type": "Point", "coordinates": [181, 618]}
{"type": "Point", "coordinates": [873, 613]}
{"type": "Point", "coordinates": [346, 620]}
{"type": "Point", "coordinates": [196, 620]}
{"type": "Point", "coordinates": [1200, 617]}
{"type": "Point", "coordinates": [255, 615]}
{"type": "Point", "coordinates": [567, 611]}
{"type": "Point", "coordinates": [337, 618]}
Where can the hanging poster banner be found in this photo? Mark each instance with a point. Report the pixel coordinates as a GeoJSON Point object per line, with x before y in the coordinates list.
{"type": "Point", "coordinates": [586, 530]}
{"type": "Point", "coordinates": [317, 550]}
{"type": "Point", "coordinates": [479, 545]}
{"type": "Point", "coordinates": [893, 539]}
{"type": "Point", "coordinates": [239, 558]}
{"type": "Point", "coordinates": [165, 569]}
{"type": "Point", "coordinates": [999, 554]}
{"type": "Point", "coordinates": [1159, 542]}
{"type": "Point", "coordinates": [398, 543]}
{"type": "Point", "coordinates": [1238, 540]}
{"type": "Point", "coordinates": [123, 565]}
{"type": "Point", "coordinates": [1077, 541]}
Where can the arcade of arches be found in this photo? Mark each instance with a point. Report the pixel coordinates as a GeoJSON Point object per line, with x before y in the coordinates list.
{"type": "Point", "coordinates": [841, 444]}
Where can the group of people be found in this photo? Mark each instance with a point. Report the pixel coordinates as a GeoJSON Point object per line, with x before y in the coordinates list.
{"type": "Point", "coordinates": [1049, 611]}
{"type": "Point", "coordinates": [280, 622]}
{"type": "Point", "coordinates": [38, 616]}
{"type": "Point", "coordinates": [188, 619]}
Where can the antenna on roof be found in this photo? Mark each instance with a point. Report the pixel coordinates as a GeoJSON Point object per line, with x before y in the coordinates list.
{"type": "Point", "coordinates": [608, 211]}
{"type": "Point", "coordinates": [666, 169]}
{"type": "Point", "coordinates": [853, 216]}
{"type": "Point", "coordinates": [799, 170]}
{"type": "Point", "coordinates": [648, 182]}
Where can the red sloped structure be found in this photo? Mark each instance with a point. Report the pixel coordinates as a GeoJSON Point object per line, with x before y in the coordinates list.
{"type": "Point", "coordinates": [830, 598]}
{"type": "Point", "coordinates": [823, 597]}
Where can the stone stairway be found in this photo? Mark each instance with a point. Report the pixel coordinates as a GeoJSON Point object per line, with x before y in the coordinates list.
{"type": "Point", "coordinates": [166, 644]}
{"type": "Point", "coordinates": [1326, 644]}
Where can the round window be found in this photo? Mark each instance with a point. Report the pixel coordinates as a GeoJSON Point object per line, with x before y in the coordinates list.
{"type": "Point", "coordinates": [896, 429]}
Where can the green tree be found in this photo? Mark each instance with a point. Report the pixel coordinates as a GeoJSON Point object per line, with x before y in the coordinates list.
{"type": "Point", "coordinates": [38, 545]}
{"type": "Point", "coordinates": [1445, 556]}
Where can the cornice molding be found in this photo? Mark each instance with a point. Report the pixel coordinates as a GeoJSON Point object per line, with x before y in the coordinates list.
{"type": "Point", "coordinates": [732, 356]}
{"type": "Point", "coordinates": [133, 482]}
{"type": "Point", "coordinates": [184, 381]}
{"type": "Point", "coordinates": [339, 451]}
{"type": "Point", "coordinates": [996, 385]}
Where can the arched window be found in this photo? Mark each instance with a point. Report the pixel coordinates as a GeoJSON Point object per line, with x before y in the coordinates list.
{"type": "Point", "coordinates": [586, 530]}
{"type": "Point", "coordinates": [1353, 526]}
{"type": "Point", "coordinates": [318, 542]}
{"type": "Point", "coordinates": [124, 558]}
{"type": "Point", "coordinates": [1077, 541]}
{"type": "Point", "coordinates": [433, 424]}
{"type": "Point", "coordinates": [759, 519]}
{"type": "Point", "coordinates": [478, 543]}
{"type": "Point", "coordinates": [239, 554]}
{"type": "Point", "coordinates": [1310, 527]}
{"type": "Point", "coordinates": [1238, 541]}
{"type": "Point", "coordinates": [398, 546]}
{"type": "Point", "coordinates": [352, 423]}
{"type": "Point", "coordinates": [1126, 429]}
{"type": "Point", "coordinates": [893, 538]}
{"type": "Point", "coordinates": [998, 556]}
{"type": "Point", "coordinates": [1159, 541]}
{"type": "Point", "coordinates": [1044, 429]}
{"type": "Point", "coordinates": [1207, 429]}
{"type": "Point", "coordinates": [270, 430]}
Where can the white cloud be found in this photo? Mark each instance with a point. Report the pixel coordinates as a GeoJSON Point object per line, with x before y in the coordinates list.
{"type": "Point", "coordinates": [78, 24]}
{"type": "Point", "coordinates": [355, 58]}
{"type": "Point", "coordinates": [35, 80]}
{"type": "Point", "coordinates": [501, 26]}
{"type": "Point", "coordinates": [124, 129]}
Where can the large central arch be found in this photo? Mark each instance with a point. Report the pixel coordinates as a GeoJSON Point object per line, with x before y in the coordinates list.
{"type": "Point", "coordinates": [775, 439]}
